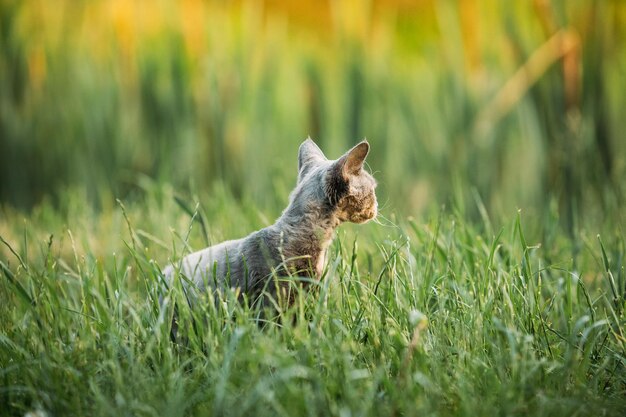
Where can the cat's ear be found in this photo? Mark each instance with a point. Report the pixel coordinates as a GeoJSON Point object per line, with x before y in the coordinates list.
{"type": "Point", "coordinates": [352, 161]}
{"type": "Point", "coordinates": [338, 179]}
{"type": "Point", "coordinates": [309, 155]}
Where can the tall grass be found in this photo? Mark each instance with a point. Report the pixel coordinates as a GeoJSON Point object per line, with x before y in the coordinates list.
{"type": "Point", "coordinates": [134, 132]}
{"type": "Point", "coordinates": [441, 317]}
{"type": "Point", "coordinates": [515, 101]}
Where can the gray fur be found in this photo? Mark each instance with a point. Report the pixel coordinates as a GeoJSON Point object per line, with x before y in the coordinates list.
{"type": "Point", "coordinates": [327, 194]}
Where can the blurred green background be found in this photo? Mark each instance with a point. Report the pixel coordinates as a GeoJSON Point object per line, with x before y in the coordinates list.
{"type": "Point", "coordinates": [519, 104]}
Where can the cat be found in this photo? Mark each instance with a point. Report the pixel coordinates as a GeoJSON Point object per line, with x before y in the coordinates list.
{"type": "Point", "coordinates": [327, 194]}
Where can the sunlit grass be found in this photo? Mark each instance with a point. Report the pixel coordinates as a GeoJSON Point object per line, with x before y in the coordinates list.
{"type": "Point", "coordinates": [134, 132]}
{"type": "Point", "coordinates": [437, 317]}
{"type": "Point", "coordinates": [514, 101]}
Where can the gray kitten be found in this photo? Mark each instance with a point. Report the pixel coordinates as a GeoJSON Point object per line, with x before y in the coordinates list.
{"type": "Point", "coordinates": [327, 194]}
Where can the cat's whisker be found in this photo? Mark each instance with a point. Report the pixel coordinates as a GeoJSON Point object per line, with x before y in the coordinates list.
{"type": "Point", "coordinates": [389, 222]}
{"type": "Point", "coordinates": [384, 206]}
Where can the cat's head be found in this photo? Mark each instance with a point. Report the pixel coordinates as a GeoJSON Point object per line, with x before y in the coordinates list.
{"type": "Point", "coordinates": [347, 188]}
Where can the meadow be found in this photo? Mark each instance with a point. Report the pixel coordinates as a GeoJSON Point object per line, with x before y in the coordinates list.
{"type": "Point", "coordinates": [442, 317]}
{"type": "Point", "coordinates": [492, 283]}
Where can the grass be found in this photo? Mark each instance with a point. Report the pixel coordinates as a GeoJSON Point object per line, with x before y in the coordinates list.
{"type": "Point", "coordinates": [190, 113]}
{"type": "Point", "coordinates": [413, 317]}
{"type": "Point", "coordinates": [518, 102]}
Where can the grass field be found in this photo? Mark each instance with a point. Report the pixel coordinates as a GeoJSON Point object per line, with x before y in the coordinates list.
{"type": "Point", "coordinates": [493, 283]}
{"type": "Point", "coordinates": [438, 317]}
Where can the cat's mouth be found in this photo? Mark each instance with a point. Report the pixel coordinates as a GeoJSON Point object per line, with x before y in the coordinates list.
{"type": "Point", "coordinates": [366, 216]}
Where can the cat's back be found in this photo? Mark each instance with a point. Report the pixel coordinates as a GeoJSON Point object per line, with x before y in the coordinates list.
{"type": "Point", "coordinates": [210, 266]}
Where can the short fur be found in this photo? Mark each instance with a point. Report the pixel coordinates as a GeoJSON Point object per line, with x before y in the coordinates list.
{"type": "Point", "coordinates": [327, 194]}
